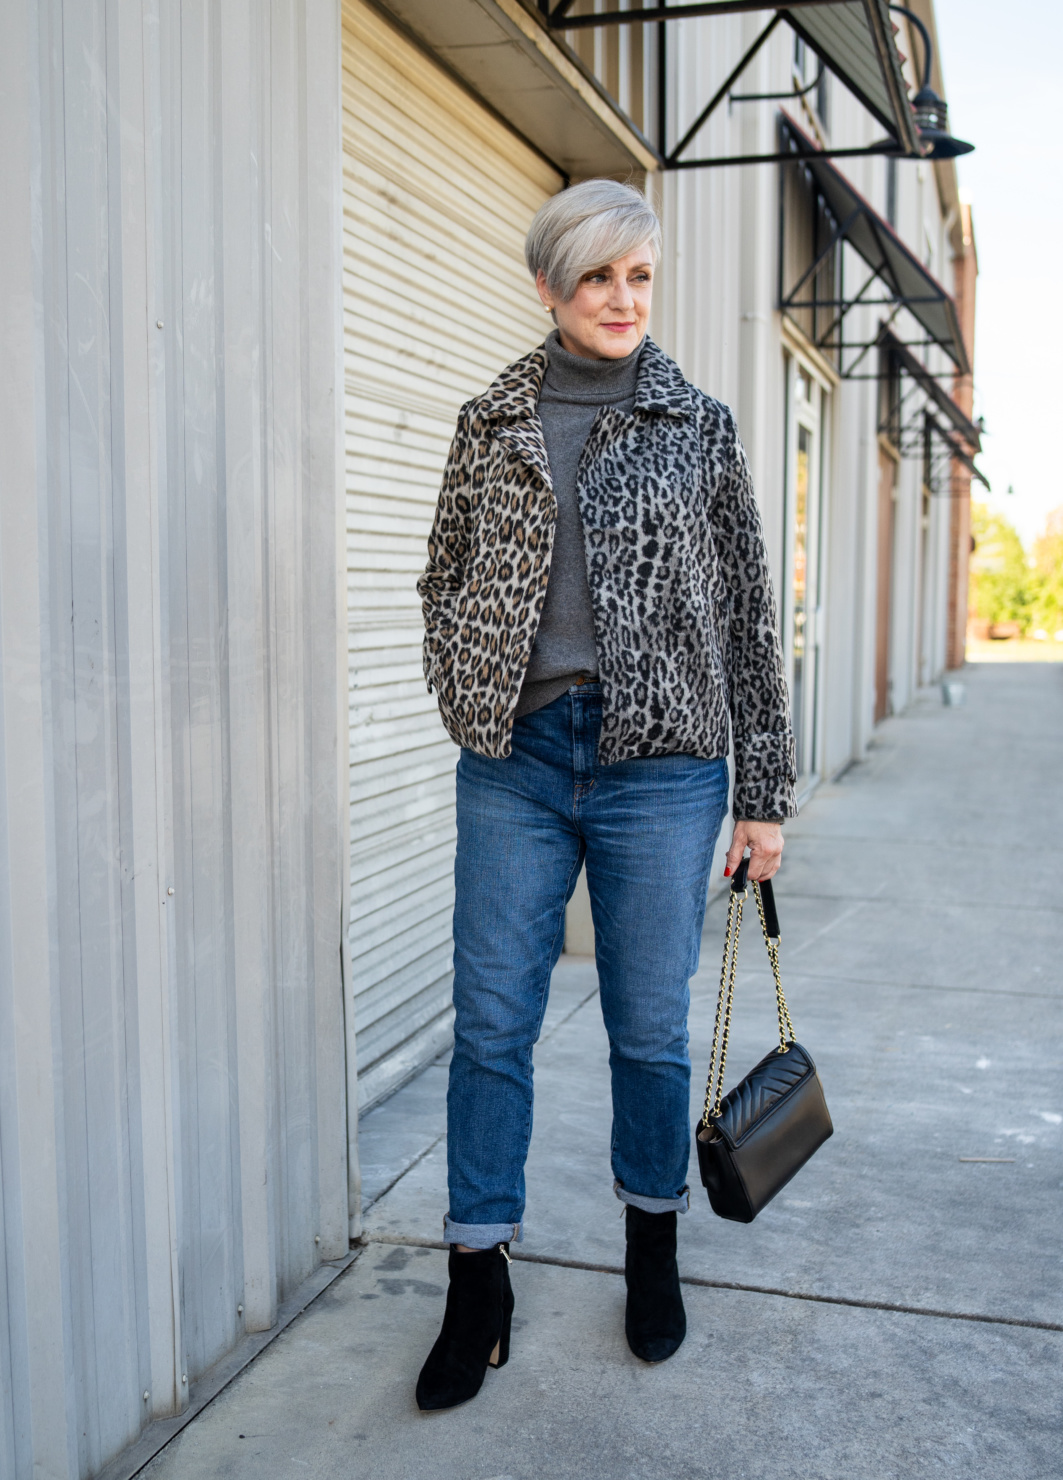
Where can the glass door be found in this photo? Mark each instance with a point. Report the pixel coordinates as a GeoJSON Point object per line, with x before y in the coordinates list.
{"type": "Point", "coordinates": [801, 593]}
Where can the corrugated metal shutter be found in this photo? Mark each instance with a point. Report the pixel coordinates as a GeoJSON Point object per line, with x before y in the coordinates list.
{"type": "Point", "coordinates": [438, 195]}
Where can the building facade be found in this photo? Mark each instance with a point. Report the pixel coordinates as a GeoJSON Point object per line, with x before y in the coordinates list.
{"type": "Point", "coordinates": [253, 260]}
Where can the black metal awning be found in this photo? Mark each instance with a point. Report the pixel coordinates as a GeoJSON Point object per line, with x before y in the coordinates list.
{"type": "Point", "coordinates": [915, 432]}
{"type": "Point", "coordinates": [853, 38]}
{"type": "Point", "coordinates": [968, 430]}
{"type": "Point", "coordinates": [893, 265]}
{"type": "Point", "coordinates": [956, 449]}
{"type": "Point", "coordinates": [856, 42]}
{"type": "Point", "coordinates": [922, 421]}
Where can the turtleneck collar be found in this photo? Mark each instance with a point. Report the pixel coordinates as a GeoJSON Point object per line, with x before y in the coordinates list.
{"type": "Point", "coordinates": [599, 382]}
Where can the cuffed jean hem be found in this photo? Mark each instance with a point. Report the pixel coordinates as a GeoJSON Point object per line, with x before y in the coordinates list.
{"type": "Point", "coordinates": [481, 1235]}
{"type": "Point", "coordinates": [680, 1204]}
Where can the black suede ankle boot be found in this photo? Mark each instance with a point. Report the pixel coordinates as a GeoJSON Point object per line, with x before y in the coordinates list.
{"type": "Point", "coordinates": [656, 1321]}
{"type": "Point", "coordinates": [475, 1332]}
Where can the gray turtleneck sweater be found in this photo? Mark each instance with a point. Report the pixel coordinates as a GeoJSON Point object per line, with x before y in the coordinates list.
{"type": "Point", "coordinates": [573, 391]}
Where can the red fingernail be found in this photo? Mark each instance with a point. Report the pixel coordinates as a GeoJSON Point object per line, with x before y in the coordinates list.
{"type": "Point", "coordinates": [727, 873]}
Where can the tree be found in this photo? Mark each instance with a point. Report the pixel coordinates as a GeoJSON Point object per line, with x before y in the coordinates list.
{"type": "Point", "coordinates": [1047, 605]}
{"type": "Point", "coordinates": [1003, 586]}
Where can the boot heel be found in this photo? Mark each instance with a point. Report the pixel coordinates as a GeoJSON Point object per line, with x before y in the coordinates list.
{"type": "Point", "coordinates": [500, 1356]}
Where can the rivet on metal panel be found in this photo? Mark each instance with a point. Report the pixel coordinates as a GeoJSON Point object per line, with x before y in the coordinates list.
{"type": "Point", "coordinates": [239, 1310]}
{"type": "Point", "coordinates": [158, 323]}
{"type": "Point", "coordinates": [170, 890]}
{"type": "Point", "coordinates": [145, 1395]}
{"type": "Point", "coordinates": [184, 1376]}
{"type": "Point", "coordinates": [317, 1239]}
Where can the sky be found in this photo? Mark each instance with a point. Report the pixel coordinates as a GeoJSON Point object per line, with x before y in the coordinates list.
{"type": "Point", "coordinates": [1003, 73]}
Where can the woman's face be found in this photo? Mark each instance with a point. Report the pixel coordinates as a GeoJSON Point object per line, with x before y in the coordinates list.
{"type": "Point", "coordinates": [609, 312]}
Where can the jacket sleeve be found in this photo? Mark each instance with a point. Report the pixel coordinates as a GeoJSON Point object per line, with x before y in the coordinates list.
{"type": "Point", "coordinates": [448, 545]}
{"type": "Point", "coordinates": [760, 706]}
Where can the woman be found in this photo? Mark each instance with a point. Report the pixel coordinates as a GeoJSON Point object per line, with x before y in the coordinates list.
{"type": "Point", "coordinates": [597, 605]}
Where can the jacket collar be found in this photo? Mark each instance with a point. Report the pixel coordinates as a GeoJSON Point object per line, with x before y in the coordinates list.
{"type": "Point", "coordinates": [514, 395]}
{"type": "Point", "coordinates": [661, 387]}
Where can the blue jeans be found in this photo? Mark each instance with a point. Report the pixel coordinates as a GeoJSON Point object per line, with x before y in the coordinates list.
{"type": "Point", "coordinates": [647, 830]}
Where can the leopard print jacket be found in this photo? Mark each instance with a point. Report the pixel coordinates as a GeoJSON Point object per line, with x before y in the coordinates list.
{"type": "Point", "coordinates": [684, 613]}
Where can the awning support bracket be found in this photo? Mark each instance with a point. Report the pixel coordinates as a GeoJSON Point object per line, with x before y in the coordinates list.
{"type": "Point", "coordinates": [866, 349]}
{"type": "Point", "coordinates": [791, 300]}
{"type": "Point", "coordinates": [719, 95]}
{"type": "Point", "coordinates": [839, 318]}
{"type": "Point", "coordinates": [558, 19]}
{"type": "Point", "coordinates": [902, 140]}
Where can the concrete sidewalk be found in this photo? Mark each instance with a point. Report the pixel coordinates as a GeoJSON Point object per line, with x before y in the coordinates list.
{"type": "Point", "coordinates": [896, 1312]}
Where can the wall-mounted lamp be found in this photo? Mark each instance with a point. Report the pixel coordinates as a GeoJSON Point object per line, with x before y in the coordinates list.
{"type": "Point", "coordinates": [931, 111]}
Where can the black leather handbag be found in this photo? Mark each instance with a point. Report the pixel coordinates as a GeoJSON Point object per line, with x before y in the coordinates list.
{"type": "Point", "coordinates": [752, 1140]}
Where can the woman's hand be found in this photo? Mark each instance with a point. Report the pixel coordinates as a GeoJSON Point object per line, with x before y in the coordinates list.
{"type": "Point", "coordinates": [764, 841]}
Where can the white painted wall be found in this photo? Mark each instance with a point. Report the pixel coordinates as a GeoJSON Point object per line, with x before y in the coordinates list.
{"type": "Point", "coordinates": [172, 1095]}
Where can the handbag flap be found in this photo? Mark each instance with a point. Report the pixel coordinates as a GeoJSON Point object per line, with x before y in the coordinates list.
{"type": "Point", "coordinates": [762, 1091]}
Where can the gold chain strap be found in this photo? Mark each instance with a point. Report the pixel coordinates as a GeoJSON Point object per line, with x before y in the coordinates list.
{"type": "Point", "coordinates": [721, 1032]}
{"type": "Point", "coordinates": [723, 1006]}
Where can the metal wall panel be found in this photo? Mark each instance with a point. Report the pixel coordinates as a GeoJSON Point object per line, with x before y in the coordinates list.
{"type": "Point", "coordinates": [438, 196]}
{"type": "Point", "coordinates": [173, 1141]}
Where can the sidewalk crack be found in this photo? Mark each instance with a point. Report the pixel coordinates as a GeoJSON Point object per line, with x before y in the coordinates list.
{"type": "Point", "coordinates": [854, 1302]}
{"type": "Point", "coordinates": [372, 1202]}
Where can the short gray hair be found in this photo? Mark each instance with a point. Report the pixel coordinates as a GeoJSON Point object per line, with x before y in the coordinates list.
{"type": "Point", "coordinates": [587, 226]}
